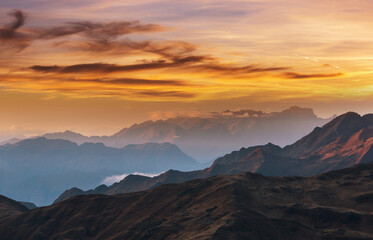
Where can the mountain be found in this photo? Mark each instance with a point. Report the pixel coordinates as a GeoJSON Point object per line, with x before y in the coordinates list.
{"type": "Point", "coordinates": [28, 205]}
{"type": "Point", "coordinates": [336, 205]}
{"type": "Point", "coordinates": [347, 129]}
{"type": "Point", "coordinates": [68, 135]}
{"type": "Point", "coordinates": [11, 141]}
{"type": "Point", "coordinates": [210, 136]}
{"type": "Point", "coordinates": [9, 207]}
{"type": "Point", "coordinates": [345, 141]}
{"type": "Point", "coordinates": [38, 170]}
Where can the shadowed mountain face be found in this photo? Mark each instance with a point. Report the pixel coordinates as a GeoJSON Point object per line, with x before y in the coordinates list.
{"type": "Point", "coordinates": [9, 207]}
{"type": "Point", "coordinates": [343, 142]}
{"type": "Point", "coordinates": [334, 205]}
{"type": "Point", "coordinates": [206, 138]}
{"type": "Point", "coordinates": [38, 170]}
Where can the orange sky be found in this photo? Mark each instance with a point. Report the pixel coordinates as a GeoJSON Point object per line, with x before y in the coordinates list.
{"type": "Point", "coordinates": [97, 66]}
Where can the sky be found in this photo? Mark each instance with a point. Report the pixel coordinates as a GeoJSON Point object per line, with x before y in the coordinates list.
{"type": "Point", "coordinates": [97, 66]}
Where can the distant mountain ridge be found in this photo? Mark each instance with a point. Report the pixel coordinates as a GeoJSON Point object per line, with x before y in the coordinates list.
{"type": "Point", "coordinates": [344, 142]}
{"type": "Point", "coordinates": [207, 137]}
{"type": "Point", "coordinates": [337, 205]}
{"type": "Point", "coordinates": [38, 170]}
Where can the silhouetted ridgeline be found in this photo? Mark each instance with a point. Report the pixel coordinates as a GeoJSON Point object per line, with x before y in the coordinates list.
{"type": "Point", "coordinates": [345, 141]}
{"type": "Point", "coordinates": [334, 205]}
{"type": "Point", "coordinates": [38, 170]}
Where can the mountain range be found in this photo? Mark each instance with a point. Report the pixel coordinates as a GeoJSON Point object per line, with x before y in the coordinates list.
{"type": "Point", "coordinates": [343, 142]}
{"type": "Point", "coordinates": [38, 170]}
{"type": "Point", "coordinates": [260, 192]}
{"type": "Point", "coordinates": [212, 135]}
{"type": "Point", "coordinates": [337, 205]}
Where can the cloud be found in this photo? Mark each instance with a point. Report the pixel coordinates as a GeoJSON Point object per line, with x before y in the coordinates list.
{"type": "Point", "coordinates": [10, 34]}
{"type": "Point", "coordinates": [243, 113]}
{"type": "Point", "coordinates": [133, 81]}
{"type": "Point", "coordinates": [128, 81]}
{"type": "Point", "coordinates": [164, 49]}
{"type": "Point", "coordinates": [105, 38]}
{"type": "Point", "coordinates": [130, 88]}
{"type": "Point", "coordinates": [139, 94]}
{"type": "Point", "coordinates": [294, 75]}
{"type": "Point", "coordinates": [98, 31]}
{"type": "Point", "coordinates": [178, 94]}
{"type": "Point", "coordinates": [193, 63]}
{"type": "Point", "coordinates": [157, 115]}
{"type": "Point", "coordinates": [94, 36]}
{"type": "Point", "coordinates": [117, 178]}
{"type": "Point", "coordinates": [243, 69]}
{"type": "Point", "coordinates": [109, 68]}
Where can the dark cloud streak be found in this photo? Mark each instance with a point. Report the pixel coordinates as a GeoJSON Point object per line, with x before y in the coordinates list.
{"type": "Point", "coordinates": [98, 31]}
{"type": "Point", "coordinates": [9, 34]}
{"type": "Point", "coordinates": [109, 68]}
{"type": "Point", "coordinates": [294, 75]}
{"type": "Point", "coordinates": [177, 94]}
{"type": "Point", "coordinates": [196, 63]}
{"type": "Point", "coordinates": [243, 69]}
{"type": "Point", "coordinates": [97, 34]}
{"type": "Point", "coordinates": [98, 38]}
{"type": "Point", "coordinates": [133, 81]}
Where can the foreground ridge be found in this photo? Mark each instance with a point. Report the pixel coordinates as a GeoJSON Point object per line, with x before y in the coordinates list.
{"type": "Point", "coordinates": [334, 205]}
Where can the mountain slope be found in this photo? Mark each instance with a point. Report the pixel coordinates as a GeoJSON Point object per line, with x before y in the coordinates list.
{"type": "Point", "coordinates": [208, 137]}
{"type": "Point", "coordinates": [345, 141]}
{"type": "Point", "coordinates": [334, 205]}
{"type": "Point", "coordinates": [11, 141]}
{"type": "Point", "coordinates": [9, 207]}
{"type": "Point", "coordinates": [38, 170]}
{"type": "Point", "coordinates": [340, 129]}
{"type": "Point", "coordinates": [28, 205]}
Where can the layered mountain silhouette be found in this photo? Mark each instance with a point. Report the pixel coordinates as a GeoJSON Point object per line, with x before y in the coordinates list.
{"type": "Point", "coordinates": [337, 205]}
{"type": "Point", "coordinates": [345, 141]}
{"type": "Point", "coordinates": [207, 137]}
{"type": "Point", "coordinates": [9, 207]}
{"type": "Point", "coordinates": [38, 170]}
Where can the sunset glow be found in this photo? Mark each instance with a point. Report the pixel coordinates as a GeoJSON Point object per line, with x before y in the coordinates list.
{"type": "Point", "coordinates": [111, 63]}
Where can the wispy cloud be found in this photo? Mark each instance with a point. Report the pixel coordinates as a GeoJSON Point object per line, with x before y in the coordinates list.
{"type": "Point", "coordinates": [10, 34]}
{"type": "Point", "coordinates": [97, 34]}
{"type": "Point", "coordinates": [132, 81]}
{"type": "Point", "coordinates": [150, 61]}
{"type": "Point", "coordinates": [294, 75]}
{"type": "Point", "coordinates": [178, 94]}
{"type": "Point", "coordinates": [98, 31]}
{"type": "Point", "coordinates": [108, 68]}
{"type": "Point", "coordinates": [191, 63]}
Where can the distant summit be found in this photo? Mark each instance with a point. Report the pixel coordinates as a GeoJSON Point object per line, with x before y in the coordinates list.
{"type": "Point", "coordinates": [212, 135]}
{"type": "Point", "coordinates": [11, 141]}
{"type": "Point", "coordinates": [295, 111]}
